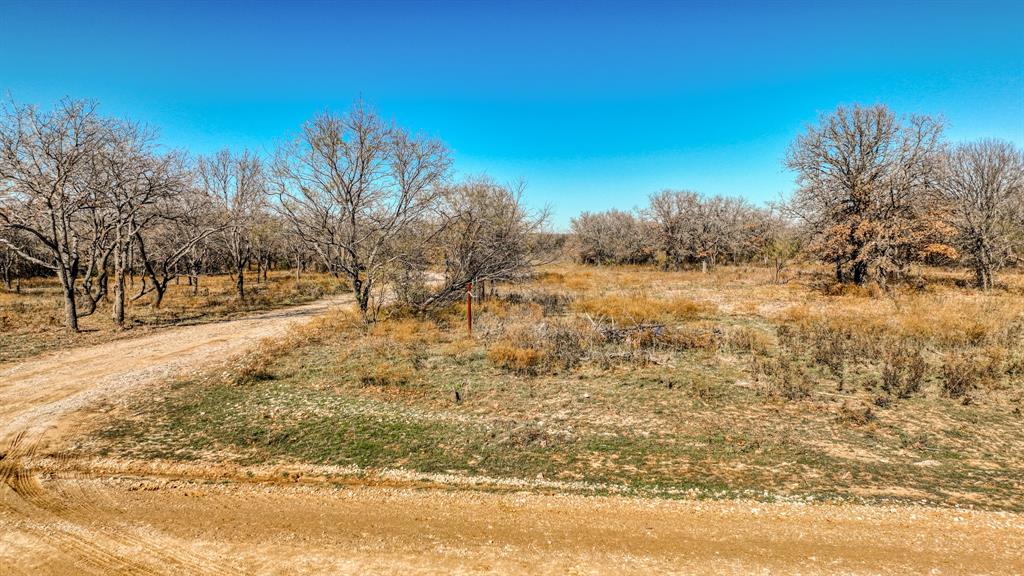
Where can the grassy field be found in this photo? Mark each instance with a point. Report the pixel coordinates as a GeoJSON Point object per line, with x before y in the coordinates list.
{"type": "Point", "coordinates": [639, 381]}
{"type": "Point", "coordinates": [32, 321]}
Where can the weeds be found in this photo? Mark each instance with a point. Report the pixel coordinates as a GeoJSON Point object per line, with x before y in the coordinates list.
{"type": "Point", "coordinates": [903, 370]}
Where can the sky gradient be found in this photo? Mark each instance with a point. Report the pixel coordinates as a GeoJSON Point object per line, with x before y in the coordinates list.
{"type": "Point", "coordinates": [594, 105]}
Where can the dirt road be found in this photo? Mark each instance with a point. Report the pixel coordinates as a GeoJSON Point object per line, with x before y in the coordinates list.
{"type": "Point", "coordinates": [36, 394]}
{"type": "Point", "coordinates": [149, 526]}
{"type": "Point", "coordinates": [70, 520]}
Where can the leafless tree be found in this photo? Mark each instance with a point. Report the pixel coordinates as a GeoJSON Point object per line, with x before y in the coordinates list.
{"type": "Point", "coordinates": [238, 185]}
{"type": "Point", "coordinates": [674, 214]}
{"type": "Point", "coordinates": [864, 176]}
{"type": "Point", "coordinates": [172, 244]}
{"type": "Point", "coordinates": [350, 186]}
{"type": "Point", "coordinates": [484, 233]}
{"type": "Point", "coordinates": [691, 228]}
{"type": "Point", "coordinates": [138, 184]}
{"type": "Point", "coordinates": [48, 192]}
{"type": "Point", "coordinates": [983, 186]}
{"type": "Point", "coordinates": [612, 237]}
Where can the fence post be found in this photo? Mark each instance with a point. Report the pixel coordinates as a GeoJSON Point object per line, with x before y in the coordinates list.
{"type": "Point", "coordinates": [469, 307]}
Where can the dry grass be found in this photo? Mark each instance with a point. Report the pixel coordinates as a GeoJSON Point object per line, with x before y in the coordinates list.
{"type": "Point", "coordinates": [663, 382]}
{"type": "Point", "coordinates": [641, 308]}
{"type": "Point", "coordinates": [32, 321]}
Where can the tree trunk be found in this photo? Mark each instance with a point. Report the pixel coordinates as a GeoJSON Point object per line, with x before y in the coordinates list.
{"type": "Point", "coordinates": [362, 294]}
{"type": "Point", "coordinates": [240, 282]}
{"type": "Point", "coordinates": [860, 273]}
{"type": "Point", "coordinates": [158, 295]}
{"type": "Point", "coordinates": [67, 281]}
{"type": "Point", "coordinates": [119, 286]}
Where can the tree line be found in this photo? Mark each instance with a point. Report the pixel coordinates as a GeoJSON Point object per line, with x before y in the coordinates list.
{"type": "Point", "coordinates": [95, 201]}
{"type": "Point", "coordinates": [876, 192]}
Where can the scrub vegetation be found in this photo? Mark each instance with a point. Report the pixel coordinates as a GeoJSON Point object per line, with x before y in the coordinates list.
{"type": "Point", "coordinates": [631, 379]}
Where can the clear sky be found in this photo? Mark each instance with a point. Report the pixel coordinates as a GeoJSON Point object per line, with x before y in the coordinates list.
{"type": "Point", "coordinates": [595, 105]}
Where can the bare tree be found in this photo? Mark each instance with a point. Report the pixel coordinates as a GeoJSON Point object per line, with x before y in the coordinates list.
{"type": "Point", "coordinates": [484, 234]}
{"type": "Point", "coordinates": [674, 214]}
{"type": "Point", "coordinates": [691, 228]}
{"type": "Point", "coordinates": [349, 186]}
{"type": "Point", "coordinates": [136, 183]}
{"type": "Point", "coordinates": [983, 186]}
{"type": "Point", "coordinates": [172, 244]}
{"type": "Point", "coordinates": [612, 237]}
{"type": "Point", "coordinates": [47, 190]}
{"type": "Point", "coordinates": [864, 175]}
{"type": "Point", "coordinates": [238, 184]}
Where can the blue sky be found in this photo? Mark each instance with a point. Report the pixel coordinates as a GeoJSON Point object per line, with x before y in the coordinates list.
{"type": "Point", "coordinates": [595, 105]}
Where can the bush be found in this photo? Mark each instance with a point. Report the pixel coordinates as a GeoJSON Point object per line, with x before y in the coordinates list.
{"type": "Point", "coordinates": [514, 358]}
{"type": "Point", "coordinates": [781, 378]}
{"type": "Point", "coordinates": [856, 414]}
{"type": "Point", "coordinates": [903, 370]}
{"type": "Point", "coordinates": [545, 347]}
{"type": "Point", "coordinates": [386, 373]}
{"type": "Point", "coordinates": [634, 309]}
{"type": "Point", "coordinates": [960, 375]}
{"type": "Point", "coordinates": [750, 340]}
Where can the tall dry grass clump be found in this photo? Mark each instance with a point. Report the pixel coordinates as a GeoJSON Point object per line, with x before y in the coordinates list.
{"type": "Point", "coordinates": [640, 308]}
{"type": "Point", "coordinates": [546, 347]}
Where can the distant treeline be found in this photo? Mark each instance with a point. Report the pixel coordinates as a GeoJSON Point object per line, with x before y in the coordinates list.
{"type": "Point", "coordinates": [876, 192]}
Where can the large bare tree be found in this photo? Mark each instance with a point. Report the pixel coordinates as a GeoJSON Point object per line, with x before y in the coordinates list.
{"type": "Point", "coordinates": [350, 186]}
{"type": "Point", "coordinates": [864, 177]}
{"type": "Point", "coordinates": [612, 237]}
{"type": "Point", "coordinates": [136, 182]}
{"type": "Point", "coordinates": [483, 233]}
{"type": "Point", "coordinates": [983, 186]}
{"type": "Point", "coordinates": [48, 192]}
{"type": "Point", "coordinates": [173, 244]}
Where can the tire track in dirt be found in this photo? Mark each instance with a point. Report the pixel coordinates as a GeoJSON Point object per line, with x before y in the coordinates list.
{"type": "Point", "coordinates": [64, 515]}
{"type": "Point", "coordinates": [37, 395]}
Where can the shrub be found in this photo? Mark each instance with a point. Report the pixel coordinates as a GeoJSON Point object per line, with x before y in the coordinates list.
{"type": "Point", "coordinates": [781, 378]}
{"type": "Point", "coordinates": [386, 373]}
{"type": "Point", "coordinates": [406, 330]}
{"type": "Point", "coordinates": [693, 338]}
{"type": "Point", "coordinates": [856, 414]}
{"type": "Point", "coordinates": [960, 374]}
{"type": "Point", "coordinates": [750, 340]}
{"type": "Point", "coordinates": [633, 309]}
{"type": "Point", "coordinates": [903, 370]}
{"type": "Point", "coordinates": [514, 358]}
{"type": "Point", "coordinates": [255, 367]}
{"type": "Point", "coordinates": [545, 347]}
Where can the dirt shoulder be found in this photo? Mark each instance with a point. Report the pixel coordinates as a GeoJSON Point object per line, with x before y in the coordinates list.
{"type": "Point", "coordinates": [148, 526]}
{"type": "Point", "coordinates": [39, 393]}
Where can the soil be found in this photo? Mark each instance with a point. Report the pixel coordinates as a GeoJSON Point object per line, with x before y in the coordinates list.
{"type": "Point", "coordinates": [82, 520]}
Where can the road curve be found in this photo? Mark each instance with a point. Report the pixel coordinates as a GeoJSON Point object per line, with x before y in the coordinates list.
{"type": "Point", "coordinates": [35, 394]}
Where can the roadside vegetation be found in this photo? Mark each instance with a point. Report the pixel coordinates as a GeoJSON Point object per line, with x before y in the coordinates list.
{"type": "Point", "coordinates": [635, 380]}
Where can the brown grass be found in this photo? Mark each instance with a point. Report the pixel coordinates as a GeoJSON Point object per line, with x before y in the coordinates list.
{"type": "Point", "coordinates": [641, 308]}
{"type": "Point", "coordinates": [32, 321]}
{"type": "Point", "coordinates": [660, 380]}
